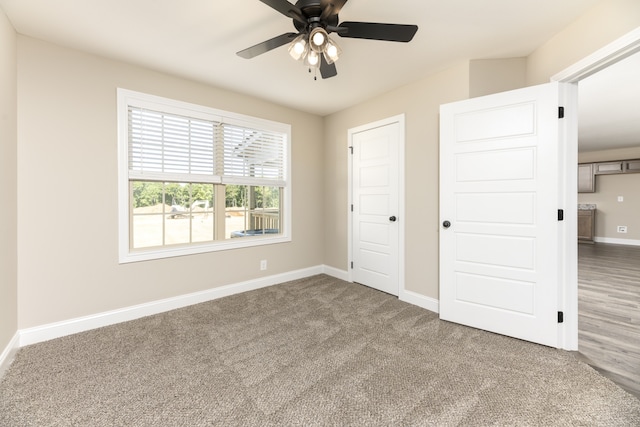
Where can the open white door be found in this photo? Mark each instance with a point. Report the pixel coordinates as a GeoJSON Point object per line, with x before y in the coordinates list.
{"type": "Point", "coordinates": [499, 228]}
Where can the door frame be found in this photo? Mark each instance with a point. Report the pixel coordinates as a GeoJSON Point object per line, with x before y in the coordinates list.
{"type": "Point", "coordinates": [400, 119]}
{"type": "Point", "coordinates": [615, 51]}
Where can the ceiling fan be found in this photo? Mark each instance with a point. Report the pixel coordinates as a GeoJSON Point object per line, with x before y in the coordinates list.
{"type": "Point", "coordinates": [315, 20]}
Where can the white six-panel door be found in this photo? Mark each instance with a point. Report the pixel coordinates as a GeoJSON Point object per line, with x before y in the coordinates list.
{"type": "Point", "coordinates": [375, 201]}
{"type": "Point", "coordinates": [499, 195]}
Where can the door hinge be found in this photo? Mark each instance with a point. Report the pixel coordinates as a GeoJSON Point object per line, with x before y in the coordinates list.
{"type": "Point", "coordinates": [352, 208]}
{"type": "Point", "coordinates": [560, 317]}
{"type": "Point", "coordinates": [352, 265]}
{"type": "Point", "coordinates": [561, 112]}
{"type": "Point", "coordinates": [560, 214]}
{"type": "Point", "coordinates": [351, 149]}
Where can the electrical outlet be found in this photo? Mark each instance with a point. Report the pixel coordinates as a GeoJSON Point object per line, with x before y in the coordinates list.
{"type": "Point", "coordinates": [622, 229]}
{"type": "Point", "coordinates": [263, 264]}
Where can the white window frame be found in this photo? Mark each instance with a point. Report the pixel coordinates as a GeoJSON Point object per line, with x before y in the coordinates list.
{"type": "Point", "coordinates": [125, 98]}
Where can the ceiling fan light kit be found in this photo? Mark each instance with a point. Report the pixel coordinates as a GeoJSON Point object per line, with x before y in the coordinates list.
{"type": "Point", "coordinates": [308, 48]}
{"type": "Point", "coordinates": [315, 20]}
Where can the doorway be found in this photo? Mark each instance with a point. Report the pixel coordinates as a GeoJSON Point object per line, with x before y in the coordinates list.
{"type": "Point", "coordinates": [376, 205]}
{"type": "Point", "coordinates": [567, 288]}
{"type": "Point", "coordinates": [608, 272]}
{"type": "Point", "coordinates": [599, 60]}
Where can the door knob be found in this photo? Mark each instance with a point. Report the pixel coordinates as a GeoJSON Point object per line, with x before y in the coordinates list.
{"type": "Point", "coordinates": [446, 224]}
{"type": "Point", "coordinates": [392, 218]}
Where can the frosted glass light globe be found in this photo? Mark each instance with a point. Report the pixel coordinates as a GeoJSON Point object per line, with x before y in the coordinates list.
{"type": "Point", "coordinates": [332, 51]}
{"type": "Point", "coordinates": [318, 38]}
{"type": "Point", "coordinates": [313, 58]}
{"type": "Point", "coordinates": [299, 47]}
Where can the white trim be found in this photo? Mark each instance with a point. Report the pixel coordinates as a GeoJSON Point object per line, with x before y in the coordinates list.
{"type": "Point", "coordinates": [400, 119]}
{"type": "Point", "coordinates": [568, 228]}
{"type": "Point", "coordinates": [614, 241]}
{"type": "Point", "coordinates": [72, 326]}
{"type": "Point", "coordinates": [9, 353]}
{"type": "Point", "coordinates": [422, 301]}
{"type": "Point", "coordinates": [615, 51]}
{"type": "Point", "coordinates": [334, 272]}
{"type": "Point", "coordinates": [199, 248]}
{"type": "Point", "coordinates": [608, 55]}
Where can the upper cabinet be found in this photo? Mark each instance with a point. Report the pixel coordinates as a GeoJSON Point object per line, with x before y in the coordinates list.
{"type": "Point", "coordinates": [587, 172]}
{"type": "Point", "coordinates": [586, 178]}
{"type": "Point", "coordinates": [608, 168]}
{"type": "Point", "coordinates": [632, 166]}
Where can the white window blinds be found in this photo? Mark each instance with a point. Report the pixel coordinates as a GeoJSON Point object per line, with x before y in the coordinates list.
{"type": "Point", "coordinates": [165, 146]}
{"type": "Point", "coordinates": [170, 147]}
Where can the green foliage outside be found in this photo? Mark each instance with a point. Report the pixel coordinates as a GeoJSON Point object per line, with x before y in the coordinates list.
{"type": "Point", "coordinates": [149, 193]}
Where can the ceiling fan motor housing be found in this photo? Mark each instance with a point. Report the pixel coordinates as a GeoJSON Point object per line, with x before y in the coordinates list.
{"type": "Point", "coordinates": [312, 11]}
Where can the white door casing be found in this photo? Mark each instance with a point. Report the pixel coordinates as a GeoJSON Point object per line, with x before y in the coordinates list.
{"type": "Point", "coordinates": [375, 204]}
{"type": "Point", "coordinates": [619, 49]}
{"type": "Point", "coordinates": [499, 190]}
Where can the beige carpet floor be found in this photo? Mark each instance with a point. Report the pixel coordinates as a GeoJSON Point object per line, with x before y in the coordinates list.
{"type": "Point", "coordinates": [316, 351]}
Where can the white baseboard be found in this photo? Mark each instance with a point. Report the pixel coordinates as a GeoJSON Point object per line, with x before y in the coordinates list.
{"type": "Point", "coordinates": [410, 297]}
{"type": "Point", "coordinates": [425, 302]}
{"type": "Point", "coordinates": [9, 353]}
{"type": "Point", "coordinates": [334, 272]}
{"type": "Point", "coordinates": [80, 324]}
{"type": "Point", "coordinates": [72, 326]}
{"type": "Point", "coordinates": [615, 241]}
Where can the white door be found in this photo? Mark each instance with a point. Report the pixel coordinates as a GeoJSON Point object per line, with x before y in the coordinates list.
{"type": "Point", "coordinates": [375, 206]}
{"type": "Point", "coordinates": [499, 201]}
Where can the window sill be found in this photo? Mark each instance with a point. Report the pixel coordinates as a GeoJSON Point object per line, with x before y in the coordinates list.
{"type": "Point", "coordinates": [137, 255]}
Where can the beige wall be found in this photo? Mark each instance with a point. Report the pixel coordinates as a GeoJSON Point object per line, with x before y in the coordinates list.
{"type": "Point", "coordinates": [420, 102]}
{"type": "Point", "coordinates": [606, 155]}
{"type": "Point", "coordinates": [67, 181]}
{"type": "Point", "coordinates": [8, 213]}
{"type": "Point", "coordinates": [612, 213]}
{"type": "Point", "coordinates": [487, 76]}
{"type": "Point", "coordinates": [602, 24]}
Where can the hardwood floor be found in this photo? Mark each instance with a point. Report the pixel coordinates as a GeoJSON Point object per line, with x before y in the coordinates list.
{"type": "Point", "coordinates": [609, 311]}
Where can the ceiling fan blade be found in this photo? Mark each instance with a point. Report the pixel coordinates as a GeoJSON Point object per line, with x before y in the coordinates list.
{"type": "Point", "coordinates": [327, 70]}
{"type": "Point", "coordinates": [376, 31]}
{"type": "Point", "coordinates": [287, 9]}
{"type": "Point", "coordinates": [331, 7]}
{"type": "Point", "coordinates": [266, 46]}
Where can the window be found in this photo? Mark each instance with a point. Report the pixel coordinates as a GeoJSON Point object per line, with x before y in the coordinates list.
{"type": "Point", "coordinates": [193, 179]}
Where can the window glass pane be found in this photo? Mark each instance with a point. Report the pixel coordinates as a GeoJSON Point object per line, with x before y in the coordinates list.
{"type": "Point", "coordinates": [147, 213]}
{"type": "Point", "coordinates": [147, 230]}
{"type": "Point", "coordinates": [235, 212]}
{"type": "Point", "coordinates": [186, 216]}
{"type": "Point", "coordinates": [177, 221]}
{"type": "Point", "coordinates": [252, 210]}
{"type": "Point", "coordinates": [202, 213]}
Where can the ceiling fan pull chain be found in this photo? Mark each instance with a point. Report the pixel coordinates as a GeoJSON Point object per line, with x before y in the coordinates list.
{"type": "Point", "coordinates": [315, 75]}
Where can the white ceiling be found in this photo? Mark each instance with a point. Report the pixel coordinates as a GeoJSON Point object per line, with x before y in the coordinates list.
{"type": "Point", "coordinates": [609, 107]}
{"type": "Point", "coordinates": [198, 39]}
